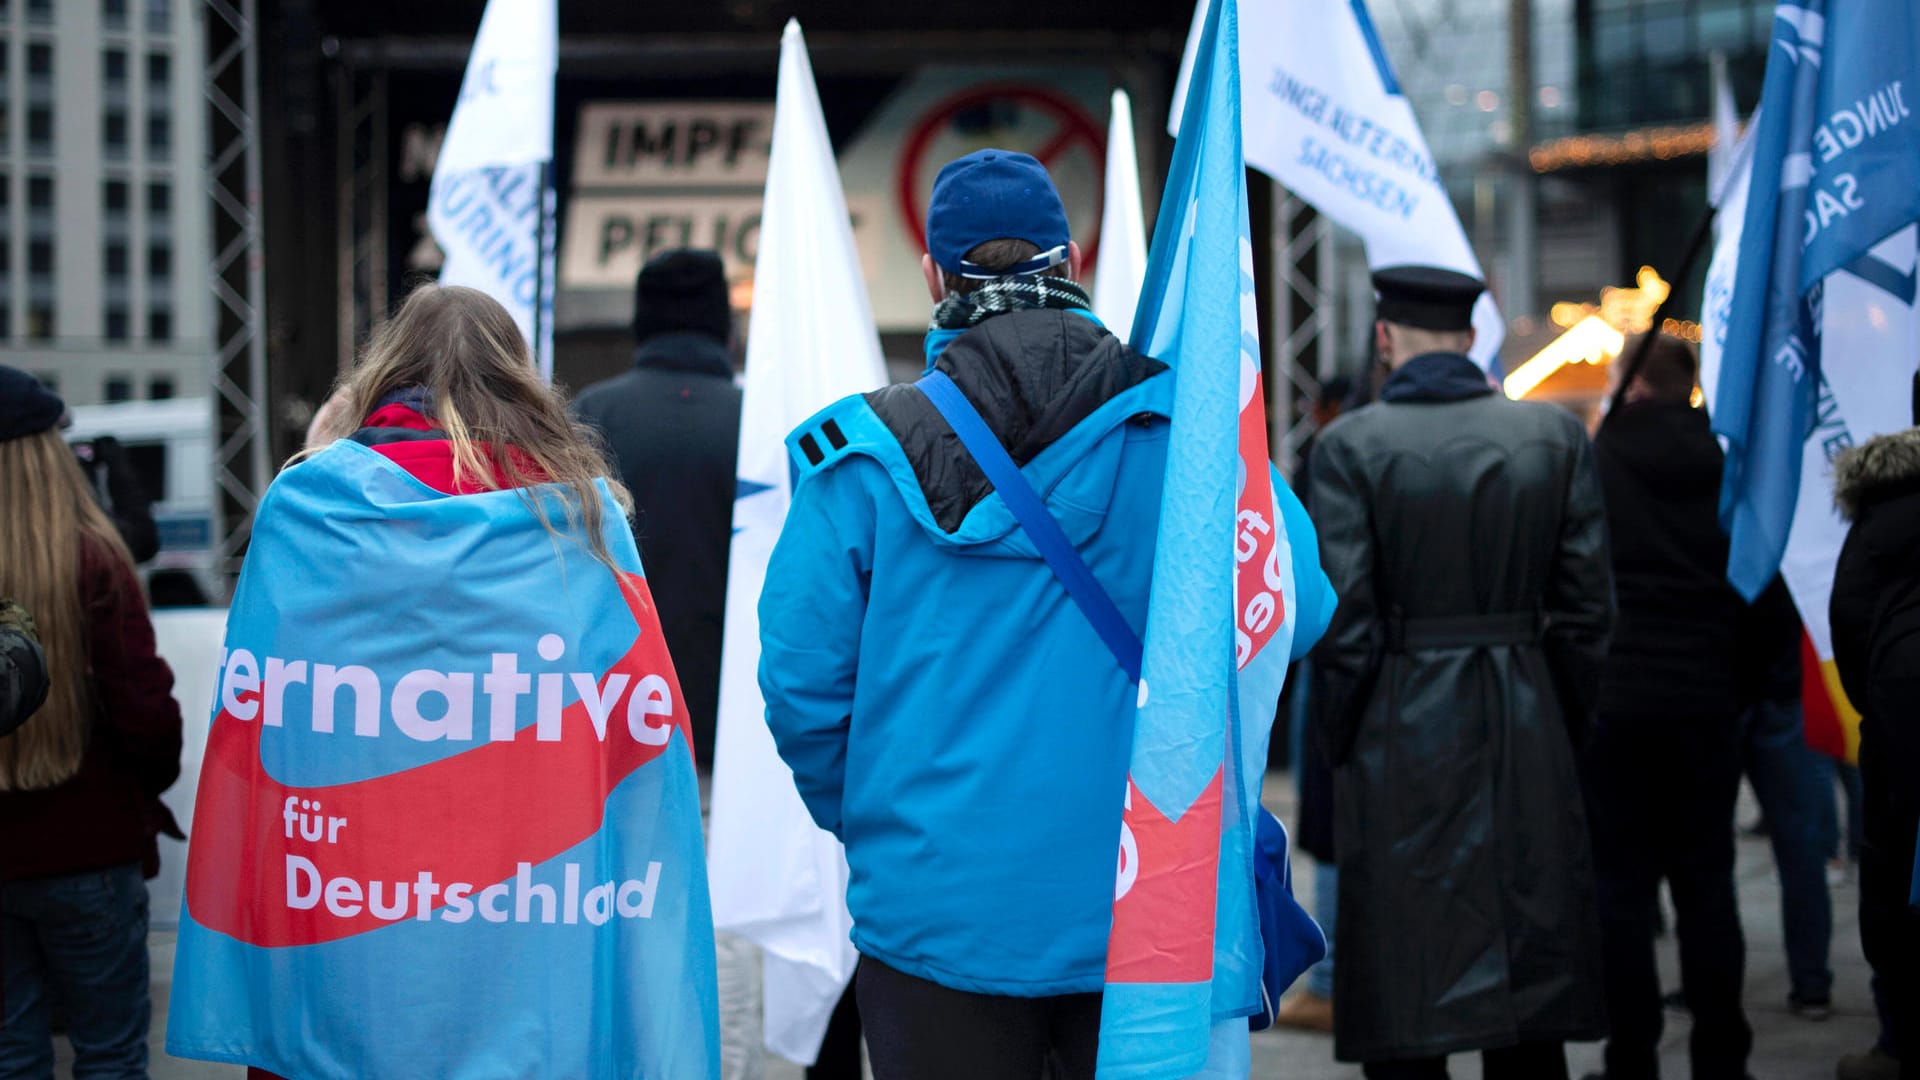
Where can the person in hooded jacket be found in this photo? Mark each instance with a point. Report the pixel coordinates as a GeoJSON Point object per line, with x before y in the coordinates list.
{"type": "Point", "coordinates": [947, 709]}
{"type": "Point", "coordinates": [1875, 614]}
{"type": "Point", "coordinates": [673, 424]}
{"type": "Point", "coordinates": [1465, 538]}
{"type": "Point", "coordinates": [1663, 770]}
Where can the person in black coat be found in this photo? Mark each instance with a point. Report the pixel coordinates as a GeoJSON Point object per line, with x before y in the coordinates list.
{"type": "Point", "coordinates": [1662, 772]}
{"type": "Point", "coordinates": [1875, 615]}
{"type": "Point", "coordinates": [1465, 537]}
{"type": "Point", "coordinates": [673, 423]}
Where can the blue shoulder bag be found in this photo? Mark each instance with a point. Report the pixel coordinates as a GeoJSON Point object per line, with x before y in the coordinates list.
{"type": "Point", "coordinates": [1293, 942]}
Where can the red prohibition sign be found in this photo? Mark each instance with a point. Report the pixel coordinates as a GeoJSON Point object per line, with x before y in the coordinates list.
{"type": "Point", "coordinates": [1076, 128]}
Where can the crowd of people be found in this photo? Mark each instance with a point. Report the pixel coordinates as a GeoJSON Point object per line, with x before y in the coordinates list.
{"type": "Point", "coordinates": [1530, 700]}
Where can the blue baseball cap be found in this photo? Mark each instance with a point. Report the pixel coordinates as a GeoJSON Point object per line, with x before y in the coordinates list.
{"type": "Point", "coordinates": [995, 195]}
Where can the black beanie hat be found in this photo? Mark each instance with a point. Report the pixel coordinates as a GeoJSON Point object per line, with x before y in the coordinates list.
{"type": "Point", "coordinates": [26, 407]}
{"type": "Point", "coordinates": [684, 290]}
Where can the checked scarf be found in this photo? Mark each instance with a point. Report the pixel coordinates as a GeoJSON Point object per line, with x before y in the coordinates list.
{"type": "Point", "coordinates": [1001, 295]}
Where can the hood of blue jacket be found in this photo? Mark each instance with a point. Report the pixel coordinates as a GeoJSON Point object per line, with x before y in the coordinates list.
{"type": "Point", "coordinates": [1052, 385]}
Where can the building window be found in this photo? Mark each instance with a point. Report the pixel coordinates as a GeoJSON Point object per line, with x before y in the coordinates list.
{"type": "Point", "coordinates": [40, 11]}
{"type": "Point", "coordinates": [160, 261]}
{"type": "Point", "coordinates": [118, 388]}
{"type": "Point", "coordinates": [116, 258]}
{"type": "Point", "coordinates": [40, 258]}
{"type": "Point", "coordinates": [40, 322]}
{"type": "Point", "coordinates": [118, 324]}
{"type": "Point", "coordinates": [159, 200]}
{"type": "Point", "coordinates": [6, 328]}
{"type": "Point", "coordinates": [159, 16]}
{"type": "Point", "coordinates": [113, 196]}
{"type": "Point", "coordinates": [114, 13]}
{"type": "Point", "coordinates": [40, 129]}
{"type": "Point", "coordinates": [160, 388]}
{"type": "Point", "coordinates": [159, 72]}
{"type": "Point", "coordinates": [159, 325]}
{"type": "Point", "coordinates": [113, 68]}
{"type": "Point", "coordinates": [40, 193]}
{"type": "Point", "coordinates": [159, 135]}
{"type": "Point", "coordinates": [113, 133]}
{"type": "Point", "coordinates": [39, 60]}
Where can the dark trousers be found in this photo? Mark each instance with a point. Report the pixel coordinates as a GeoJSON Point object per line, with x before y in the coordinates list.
{"type": "Point", "coordinates": [1889, 927]}
{"type": "Point", "coordinates": [919, 1030]}
{"type": "Point", "coordinates": [839, 1057]}
{"type": "Point", "coordinates": [1660, 797]}
{"type": "Point", "coordinates": [79, 940]}
{"type": "Point", "coordinates": [1528, 1061]}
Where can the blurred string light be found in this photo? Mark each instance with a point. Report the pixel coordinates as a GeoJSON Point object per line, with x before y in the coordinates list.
{"type": "Point", "coordinates": [1487, 100]}
{"type": "Point", "coordinates": [1645, 144]}
{"type": "Point", "coordinates": [1596, 333]}
{"type": "Point", "coordinates": [1550, 97]}
{"type": "Point", "coordinates": [1590, 341]}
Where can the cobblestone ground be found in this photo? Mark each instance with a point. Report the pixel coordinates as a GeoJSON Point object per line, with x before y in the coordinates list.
{"type": "Point", "coordinates": [1785, 1047]}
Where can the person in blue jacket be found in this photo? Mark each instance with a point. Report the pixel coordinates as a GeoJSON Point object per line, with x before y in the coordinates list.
{"type": "Point", "coordinates": [947, 710]}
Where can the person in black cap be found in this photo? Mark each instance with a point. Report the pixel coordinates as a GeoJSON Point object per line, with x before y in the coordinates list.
{"type": "Point", "coordinates": [673, 423]}
{"type": "Point", "coordinates": [947, 709]}
{"type": "Point", "coordinates": [1466, 540]}
{"type": "Point", "coordinates": [81, 778]}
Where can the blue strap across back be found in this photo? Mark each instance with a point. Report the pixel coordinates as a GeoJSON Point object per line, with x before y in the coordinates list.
{"type": "Point", "coordinates": [1041, 527]}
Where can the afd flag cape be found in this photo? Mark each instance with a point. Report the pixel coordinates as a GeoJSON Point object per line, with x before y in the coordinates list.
{"type": "Point", "coordinates": [1184, 959]}
{"type": "Point", "coordinates": [1836, 172]}
{"type": "Point", "coordinates": [779, 879]}
{"type": "Point", "coordinates": [447, 823]}
{"type": "Point", "coordinates": [491, 203]}
{"type": "Point", "coordinates": [1326, 117]}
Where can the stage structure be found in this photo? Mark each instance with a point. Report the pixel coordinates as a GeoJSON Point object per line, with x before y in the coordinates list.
{"type": "Point", "coordinates": [239, 376]}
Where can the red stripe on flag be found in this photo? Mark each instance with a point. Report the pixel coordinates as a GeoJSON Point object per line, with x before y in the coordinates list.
{"type": "Point", "coordinates": [1824, 730]}
{"type": "Point", "coordinates": [1163, 917]}
{"type": "Point", "coordinates": [471, 817]}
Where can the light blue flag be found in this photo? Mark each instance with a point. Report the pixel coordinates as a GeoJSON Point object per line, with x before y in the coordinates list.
{"type": "Point", "coordinates": [1184, 959]}
{"type": "Point", "coordinates": [1836, 171]}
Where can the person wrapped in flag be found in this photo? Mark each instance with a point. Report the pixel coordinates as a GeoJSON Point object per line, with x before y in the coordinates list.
{"type": "Point", "coordinates": [948, 707]}
{"type": "Point", "coordinates": [448, 823]}
{"type": "Point", "coordinates": [1466, 537]}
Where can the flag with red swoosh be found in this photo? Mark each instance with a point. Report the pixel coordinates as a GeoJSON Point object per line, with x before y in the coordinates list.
{"type": "Point", "coordinates": [1184, 956]}
{"type": "Point", "coordinates": [448, 823]}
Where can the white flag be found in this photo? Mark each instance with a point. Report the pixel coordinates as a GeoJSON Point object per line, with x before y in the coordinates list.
{"type": "Point", "coordinates": [491, 204]}
{"type": "Point", "coordinates": [1872, 333]}
{"type": "Point", "coordinates": [777, 878]}
{"type": "Point", "coordinates": [1122, 264]}
{"type": "Point", "coordinates": [1325, 117]}
{"type": "Point", "coordinates": [1726, 133]}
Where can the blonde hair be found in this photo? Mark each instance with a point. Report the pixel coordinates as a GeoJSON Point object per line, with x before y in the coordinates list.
{"type": "Point", "coordinates": [48, 521]}
{"type": "Point", "coordinates": [463, 348]}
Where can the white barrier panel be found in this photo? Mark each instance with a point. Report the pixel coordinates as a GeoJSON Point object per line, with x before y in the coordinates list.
{"type": "Point", "coordinates": [189, 640]}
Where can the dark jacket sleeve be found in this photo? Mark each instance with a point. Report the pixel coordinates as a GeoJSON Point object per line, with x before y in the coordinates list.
{"type": "Point", "coordinates": [1579, 596]}
{"type": "Point", "coordinates": [132, 685]}
{"type": "Point", "coordinates": [1348, 658]}
{"type": "Point", "coordinates": [23, 677]}
{"type": "Point", "coordinates": [1850, 613]}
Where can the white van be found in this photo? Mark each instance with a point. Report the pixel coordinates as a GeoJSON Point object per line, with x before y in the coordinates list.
{"type": "Point", "coordinates": [169, 446]}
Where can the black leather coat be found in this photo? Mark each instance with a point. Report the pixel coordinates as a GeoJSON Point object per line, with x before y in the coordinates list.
{"type": "Point", "coordinates": [1465, 537]}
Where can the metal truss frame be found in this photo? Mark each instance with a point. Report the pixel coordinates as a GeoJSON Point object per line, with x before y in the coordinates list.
{"type": "Point", "coordinates": [360, 172]}
{"type": "Point", "coordinates": [1303, 314]}
{"type": "Point", "coordinates": [239, 362]}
